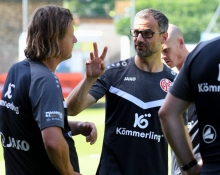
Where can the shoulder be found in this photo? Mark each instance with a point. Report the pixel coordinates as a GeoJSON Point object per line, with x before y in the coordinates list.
{"type": "Point", "coordinates": [42, 76]}
{"type": "Point", "coordinates": [20, 65]}
{"type": "Point", "coordinates": [19, 72]}
{"type": "Point", "coordinates": [169, 71]}
{"type": "Point", "coordinates": [203, 48]}
{"type": "Point", "coordinates": [40, 71]}
{"type": "Point", "coordinates": [122, 64]}
{"type": "Point", "coordinates": [207, 43]}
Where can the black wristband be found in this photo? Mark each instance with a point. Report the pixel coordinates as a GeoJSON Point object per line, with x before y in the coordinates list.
{"type": "Point", "coordinates": [189, 165]}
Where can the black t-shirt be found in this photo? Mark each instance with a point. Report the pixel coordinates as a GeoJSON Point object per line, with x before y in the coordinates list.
{"type": "Point", "coordinates": [31, 101]}
{"type": "Point", "coordinates": [133, 139]}
{"type": "Point", "coordinates": [199, 82]}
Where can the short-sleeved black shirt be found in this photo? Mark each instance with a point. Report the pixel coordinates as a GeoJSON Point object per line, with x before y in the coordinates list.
{"type": "Point", "coordinates": [133, 140]}
{"type": "Point", "coordinates": [31, 101]}
{"type": "Point", "coordinates": [199, 82]}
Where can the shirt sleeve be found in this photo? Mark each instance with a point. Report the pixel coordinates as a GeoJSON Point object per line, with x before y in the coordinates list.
{"type": "Point", "coordinates": [181, 86]}
{"type": "Point", "coordinates": [47, 102]}
{"type": "Point", "coordinates": [100, 87]}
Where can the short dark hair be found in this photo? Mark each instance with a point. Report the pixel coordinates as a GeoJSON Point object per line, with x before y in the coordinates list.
{"type": "Point", "coordinates": [48, 25]}
{"type": "Point", "coordinates": [162, 20]}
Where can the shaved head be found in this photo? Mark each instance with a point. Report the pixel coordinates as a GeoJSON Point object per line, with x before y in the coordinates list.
{"type": "Point", "coordinates": [174, 50]}
{"type": "Point", "coordinates": [174, 33]}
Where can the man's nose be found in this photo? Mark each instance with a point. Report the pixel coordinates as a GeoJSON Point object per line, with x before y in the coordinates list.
{"type": "Point", "coordinates": [139, 37]}
{"type": "Point", "coordinates": [163, 56]}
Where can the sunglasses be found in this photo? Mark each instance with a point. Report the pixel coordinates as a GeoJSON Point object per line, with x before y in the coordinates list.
{"type": "Point", "coordinates": [144, 33]}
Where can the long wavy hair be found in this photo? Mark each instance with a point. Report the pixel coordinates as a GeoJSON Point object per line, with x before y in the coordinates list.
{"type": "Point", "coordinates": [48, 25]}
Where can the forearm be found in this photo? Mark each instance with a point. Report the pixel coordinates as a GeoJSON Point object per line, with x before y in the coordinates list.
{"type": "Point", "coordinates": [77, 99]}
{"type": "Point", "coordinates": [59, 156]}
{"type": "Point", "coordinates": [74, 127]}
{"type": "Point", "coordinates": [173, 129]}
{"type": "Point", "coordinates": [191, 147]}
{"type": "Point", "coordinates": [174, 132]}
{"type": "Point", "coordinates": [57, 150]}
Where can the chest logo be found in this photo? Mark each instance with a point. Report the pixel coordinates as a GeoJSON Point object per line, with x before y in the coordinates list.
{"type": "Point", "coordinates": [130, 79]}
{"type": "Point", "coordinates": [209, 134]}
{"type": "Point", "coordinates": [8, 93]}
{"type": "Point", "coordinates": [165, 84]}
{"type": "Point", "coordinates": [141, 121]}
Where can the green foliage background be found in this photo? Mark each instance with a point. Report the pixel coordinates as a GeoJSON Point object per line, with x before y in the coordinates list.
{"type": "Point", "coordinates": [191, 16]}
{"type": "Point", "coordinates": [91, 8]}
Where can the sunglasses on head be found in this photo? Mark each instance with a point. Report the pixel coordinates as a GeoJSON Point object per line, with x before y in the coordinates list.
{"type": "Point", "coordinates": [144, 33]}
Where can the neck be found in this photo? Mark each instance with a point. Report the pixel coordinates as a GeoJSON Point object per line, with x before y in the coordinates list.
{"type": "Point", "coordinates": [149, 64]}
{"type": "Point", "coordinates": [184, 55]}
{"type": "Point", "coordinates": [179, 67]}
{"type": "Point", "coordinates": [51, 63]}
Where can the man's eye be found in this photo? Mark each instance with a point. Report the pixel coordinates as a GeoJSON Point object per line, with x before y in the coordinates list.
{"type": "Point", "coordinates": [136, 32]}
{"type": "Point", "coordinates": [165, 50]}
{"type": "Point", "coordinates": [147, 33]}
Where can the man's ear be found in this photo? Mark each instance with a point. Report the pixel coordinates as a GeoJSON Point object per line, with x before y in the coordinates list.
{"type": "Point", "coordinates": [164, 38]}
{"type": "Point", "coordinates": [181, 42]}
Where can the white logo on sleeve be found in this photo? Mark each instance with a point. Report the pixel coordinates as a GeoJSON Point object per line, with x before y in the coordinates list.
{"type": "Point", "coordinates": [8, 93]}
{"type": "Point", "coordinates": [209, 134]}
{"type": "Point", "coordinates": [54, 114]}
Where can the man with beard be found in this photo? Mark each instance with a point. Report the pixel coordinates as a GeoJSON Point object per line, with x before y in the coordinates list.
{"type": "Point", "coordinates": [135, 89]}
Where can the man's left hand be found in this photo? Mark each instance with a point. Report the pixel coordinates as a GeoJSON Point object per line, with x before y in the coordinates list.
{"type": "Point", "coordinates": [89, 130]}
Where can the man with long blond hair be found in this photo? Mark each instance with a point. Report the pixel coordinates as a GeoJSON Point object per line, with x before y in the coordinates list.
{"type": "Point", "coordinates": [36, 135]}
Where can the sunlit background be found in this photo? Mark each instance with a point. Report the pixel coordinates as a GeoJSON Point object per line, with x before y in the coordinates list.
{"type": "Point", "coordinates": [106, 22]}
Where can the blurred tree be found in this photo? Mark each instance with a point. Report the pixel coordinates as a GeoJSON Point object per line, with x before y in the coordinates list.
{"type": "Point", "coordinates": [191, 16]}
{"type": "Point", "coordinates": [91, 8]}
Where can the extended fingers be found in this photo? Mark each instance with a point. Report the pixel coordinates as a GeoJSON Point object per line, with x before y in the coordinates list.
{"type": "Point", "coordinates": [104, 53]}
{"type": "Point", "coordinates": [95, 49]}
{"type": "Point", "coordinates": [95, 53]}
{"type": "Point", "coordinates": [92, 56]}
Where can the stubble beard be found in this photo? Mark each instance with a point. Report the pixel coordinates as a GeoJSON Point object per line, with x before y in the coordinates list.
{"type": "Point", "coordinates": [145, 54]}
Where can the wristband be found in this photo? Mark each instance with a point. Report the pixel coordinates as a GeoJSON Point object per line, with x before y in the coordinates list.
{"type": "Point", "coordinates": [189, 165]}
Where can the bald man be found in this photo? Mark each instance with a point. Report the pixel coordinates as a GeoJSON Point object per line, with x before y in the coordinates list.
{"type": "Point", "coordinates": [174, 50]}
{"type": "Point", "coordinates": [174, 54]}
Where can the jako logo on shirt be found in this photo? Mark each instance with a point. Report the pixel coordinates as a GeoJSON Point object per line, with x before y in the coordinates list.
{"type": "Point", "coordinates": [209, 134]}
{"type": "Point", "coordinates": [130, 79]}
{"type": "Point", "coordinates": [165, 84]}
{"type": "Point", "coordinates": [13, 143]}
